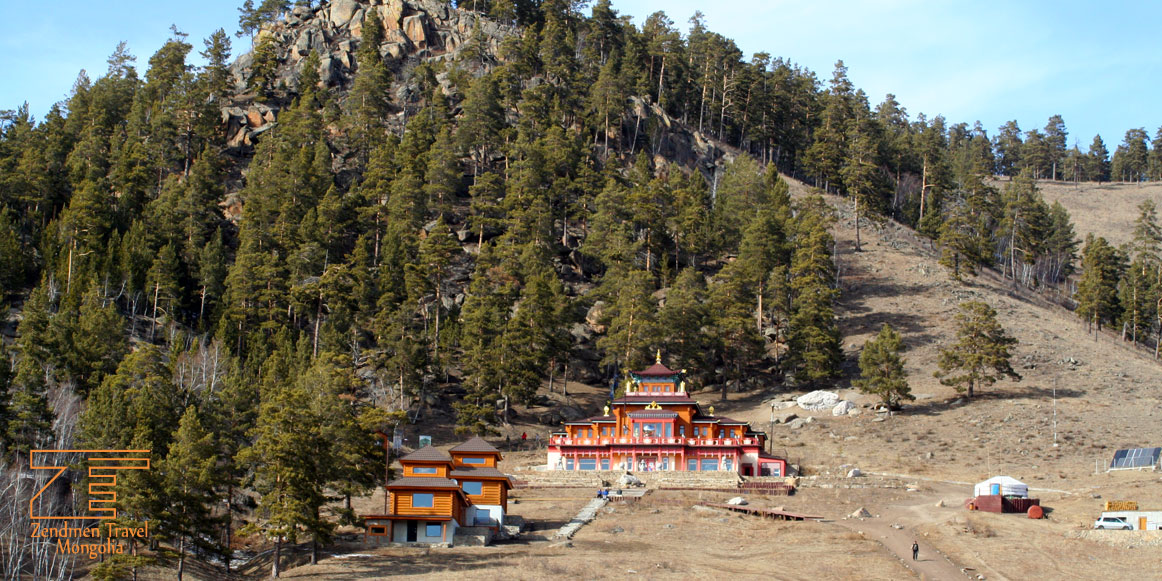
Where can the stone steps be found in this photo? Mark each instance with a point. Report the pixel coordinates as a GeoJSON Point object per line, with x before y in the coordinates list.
{"type": "Point", "coordinates": [583, 518]}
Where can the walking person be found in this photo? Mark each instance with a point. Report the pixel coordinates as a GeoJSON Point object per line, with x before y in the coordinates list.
{"type": "Point", "coordinates": [915, 551]}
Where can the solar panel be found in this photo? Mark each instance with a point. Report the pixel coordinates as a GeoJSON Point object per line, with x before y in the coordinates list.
{"type": "Point", "coordinates": [1135, 458]}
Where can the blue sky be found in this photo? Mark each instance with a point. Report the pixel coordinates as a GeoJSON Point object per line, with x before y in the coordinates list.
{"type": "Point", "coordinates": [988, 60]}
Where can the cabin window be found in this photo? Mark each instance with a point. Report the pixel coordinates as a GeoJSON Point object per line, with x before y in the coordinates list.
{"type": "Point", "coordinates": [669, 430]}
{"type": "Point", "coordinates": [473, 488]}
{"type": "Point", "coordinates": [422, 501]}
{"type": "Point", "coordinates": [424, 470]}
{"type": "Point", "coordinates": [434, 529]}
{"type": "Point", "coordinates": [587, 464]}
{"type": "Point", "coordinates": [682, 431]}
{"type": "Point", "coordinates": [709, 464]}
{"type": "Point", "coordinates": [377, 530]}
{"type": "Point", "coordinates": [692, 465]}
{"type": "Point", "coordinates": [473, 460]}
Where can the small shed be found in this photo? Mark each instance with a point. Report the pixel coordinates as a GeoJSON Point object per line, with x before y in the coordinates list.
{"type": "Point", "coordinates": [1001, 486]}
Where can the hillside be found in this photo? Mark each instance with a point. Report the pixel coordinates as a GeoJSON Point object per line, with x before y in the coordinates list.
{"type": "Point", "coordinates": [929, 452]}
{"type": "Point", "coordinates": [401, 217]}
{"type": "Point", "coordinates": [1107, 209]}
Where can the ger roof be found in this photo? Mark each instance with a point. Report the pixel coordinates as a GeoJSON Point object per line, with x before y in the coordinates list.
{"type": "Point", "coordinates": [427, 454]}
{"type": "Point", "coordinates": [476, 445]}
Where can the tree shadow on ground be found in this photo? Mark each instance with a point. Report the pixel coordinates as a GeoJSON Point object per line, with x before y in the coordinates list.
{"type": "Point", "coordinates": [1007, 391]}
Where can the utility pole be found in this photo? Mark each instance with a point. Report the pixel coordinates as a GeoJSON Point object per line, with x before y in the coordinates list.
{"type": "Point", "coordinates": [1054, 413]}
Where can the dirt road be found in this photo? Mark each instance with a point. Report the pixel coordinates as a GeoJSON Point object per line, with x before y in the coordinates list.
{"type": "Point", "coordinates": [916, 509]}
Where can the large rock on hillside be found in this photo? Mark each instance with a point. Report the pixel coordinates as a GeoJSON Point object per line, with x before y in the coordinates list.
{"type": "Point", "coordinates": [342, 11]}
{"type": "Point", "coordinates": [416, 29]}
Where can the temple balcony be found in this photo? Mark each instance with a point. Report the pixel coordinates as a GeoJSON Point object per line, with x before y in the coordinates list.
{"type": "Point", "coordinates": [652, 441]}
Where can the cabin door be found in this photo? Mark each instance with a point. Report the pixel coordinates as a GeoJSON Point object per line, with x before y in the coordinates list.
{"type": "Point", "coordinates": [413, 531]}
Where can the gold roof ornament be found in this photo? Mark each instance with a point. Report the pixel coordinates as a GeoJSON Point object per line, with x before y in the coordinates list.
{"type": "Point", "coordinates": [658, 357]}
{"type": "Point", "coordinates": [606, 411]}
{"type": "Point", "coordinates": [711, 410]}
{"type": "Point", "coordinates": [682, 387]}
{"type": "Point", "coordinates": [653, 406]}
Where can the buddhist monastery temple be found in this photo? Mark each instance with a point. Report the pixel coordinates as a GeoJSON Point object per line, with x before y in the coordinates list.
{"type": "Point", "coordinates": [441, 492]}
{"type": "Point", "coordinates": [657, 426]}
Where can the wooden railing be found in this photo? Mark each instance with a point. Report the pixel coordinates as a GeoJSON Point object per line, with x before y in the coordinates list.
{"type": "Point", "coordinates": [672, 441]}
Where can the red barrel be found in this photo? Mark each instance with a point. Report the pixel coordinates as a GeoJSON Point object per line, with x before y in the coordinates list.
{"type": "Point", "coordinates": [1035, 512]}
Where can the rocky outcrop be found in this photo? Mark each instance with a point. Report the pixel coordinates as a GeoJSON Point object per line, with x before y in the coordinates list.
{"type": "Point", "coordinates": [673, 142]}
{"type": "Point", "coordinates": [414, 29]}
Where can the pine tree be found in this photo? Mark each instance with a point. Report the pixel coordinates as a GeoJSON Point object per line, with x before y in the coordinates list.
{"type": "Point", "coordinates": [29, 415]}
{"type": "Point", "coordinates": [981, 354]}
{"type": "Point", "coordinates": [813, 337]}
{"type": "Point", "coordinates": [1101, 268]}
{"type": "Point", "coordinates": [250, 19]}
{"type": "Point", "coordinates": [1136, 294]}
{"type": "Point", "coordinates": [859, 171]}
{"type": "Point", "coordinates": [881, 368]}
{"type": "Point", "coordinates": [188, 484]}
{"type": "Point", "coordinates": [1097, 160]}
{"type": "Point", "coordinates": [607, 102]}
{"type": "Point", "coordinates": [216, 72]}
{"type": "Point", "coordinates": [967, 228]}
{"type": "Point", "coordinates": [482, 120]}
{"type": "Point", "coordinates": [629, 318]}
{"type": "Point", "coordinates": [368, 104]}
{"type": "Point", "coordinates": [283, 456]}
{"type": "Point", "coordinates": [265, 66]}
{"type": "Point", "coordinates": [732, 324]}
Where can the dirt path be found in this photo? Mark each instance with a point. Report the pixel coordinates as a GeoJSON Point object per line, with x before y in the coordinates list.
{"type": "Point", "coordinates": [918, 509]}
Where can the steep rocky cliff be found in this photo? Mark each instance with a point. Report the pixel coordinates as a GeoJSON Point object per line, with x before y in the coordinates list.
{"type": "Point", "coordinates": [416, 30]}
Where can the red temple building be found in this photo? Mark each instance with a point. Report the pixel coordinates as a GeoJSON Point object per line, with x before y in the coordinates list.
{"type": "Point", "coordinates": [657, 426]}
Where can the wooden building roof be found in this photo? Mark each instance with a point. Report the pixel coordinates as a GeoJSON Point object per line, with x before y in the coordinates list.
{"type": "Point", "coordinates": [476, 445]}
{"type": "Point", "coordinates": [422, 482]}
{"type": "Point", "coordinates": [427, 454]}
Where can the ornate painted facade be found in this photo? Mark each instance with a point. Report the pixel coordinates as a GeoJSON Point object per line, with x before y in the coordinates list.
{"type": "Point", "coordinates": [657, 426]}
